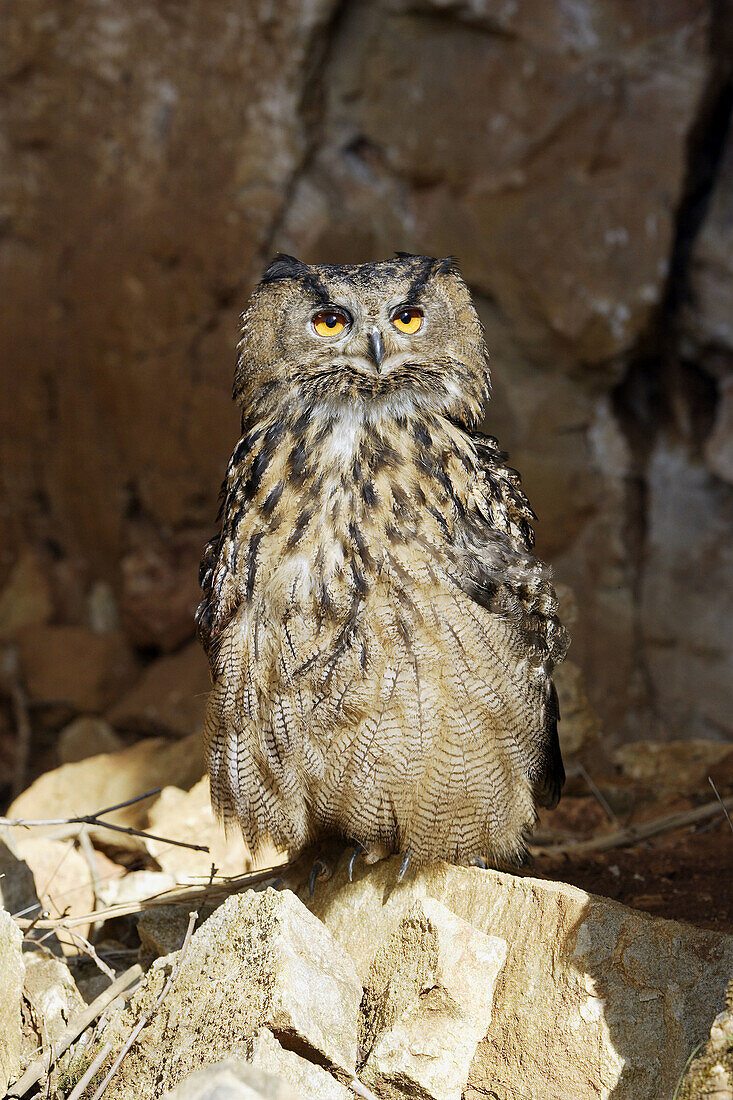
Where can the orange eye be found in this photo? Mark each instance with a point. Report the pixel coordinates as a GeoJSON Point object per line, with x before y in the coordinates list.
{"type": "Point", "coordinates": [330, 322]}
{"type": "Point", "coordinates": [408, 320]}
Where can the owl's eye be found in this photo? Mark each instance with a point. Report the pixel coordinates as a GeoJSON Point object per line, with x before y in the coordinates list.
{"type": "Point", "coordinates": [329, 322]}
{"type": "Point", "coordinates": [408, 320]}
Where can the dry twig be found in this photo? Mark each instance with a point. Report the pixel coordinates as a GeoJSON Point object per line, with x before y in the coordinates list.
{"type": "Point", "coordinates": [624, 838]}
{"type": "Point", "coordinates": [42, 1065]}
{"type": "Point", "coordinates": [91, 1071]}
{"type": "Point", "coordinates": [720, 800]}
{"type": "Point", "coordinates": [94, 819]}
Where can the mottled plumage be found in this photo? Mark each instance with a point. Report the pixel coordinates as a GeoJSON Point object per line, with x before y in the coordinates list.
{"type": "Point", "coordinates": [381, 637]}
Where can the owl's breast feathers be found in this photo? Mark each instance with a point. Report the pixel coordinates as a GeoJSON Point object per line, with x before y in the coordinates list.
{"type": "Point", "coordinates": [381, 638]}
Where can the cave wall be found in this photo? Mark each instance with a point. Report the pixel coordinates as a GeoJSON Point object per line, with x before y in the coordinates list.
{"type": "Point", "coordinates": [574, 157]}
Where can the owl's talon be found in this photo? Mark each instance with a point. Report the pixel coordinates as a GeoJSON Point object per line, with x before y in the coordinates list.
{"type": "Point", "coordinates": [352, 860]}
{"type": "Point", "coordinates": [319, 868]}
{"type": "Point", "coordinates": [404, 865]}
{"type": "Point", "coordinates": [479, 861]}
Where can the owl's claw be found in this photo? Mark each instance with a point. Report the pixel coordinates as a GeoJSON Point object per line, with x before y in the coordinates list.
{"type": "Point", "coordinates": [358, 849]}
{"type": "Point", "coordinates": [404, 865]}
{"type": "Point", "coordinates": [319, 868]}
{"type": "Point", "coordinates": [479, 861]}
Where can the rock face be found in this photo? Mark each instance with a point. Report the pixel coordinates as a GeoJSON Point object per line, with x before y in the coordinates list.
{"type": "Point", "coordinates": [11, 987]}
{"type": "Point", "coordinates": [593, 999]}
{"type": "Point", "coordinates": [427, 1003]}
{"type": "Point", "coordinates": [261, 960]}
{"type": "Point", "coordinates": [454, 983]}
{"type": "Point", "coordinates": [553, 161]}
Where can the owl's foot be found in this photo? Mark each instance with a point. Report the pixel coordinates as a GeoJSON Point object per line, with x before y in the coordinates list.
{"type": "Point", "coordinates": [358, 851]}
{"type": "Point", "coordinates": [320, 869]}
{"type": "Point", "coordinates": [479, 861]}
{"type": "Point", "coordinates": [404, 865]}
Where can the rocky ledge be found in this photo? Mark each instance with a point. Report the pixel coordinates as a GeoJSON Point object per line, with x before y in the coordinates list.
{"type": "Point", "coordinates": [455, 982]}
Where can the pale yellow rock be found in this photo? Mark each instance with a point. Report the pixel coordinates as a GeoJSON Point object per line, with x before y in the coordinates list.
{"type": "Point", "coordinates": [90, 785]}
{"type": "Point", "coordinates": [260, 960]}
{"type": "Point", "coordinates": [63, 880]}
{"type": "Point", "coordinates": [12, 971]}
{"type": "Point", "coordinates": [187, 816]}
{"type": "Point", "coordinates": [427, 1004]}
{"type": "Point", "coordinates": [594, 999]}
{"type": "Point", "coordinates": [53, 995]}
{"type": "Point", "coordinates": [675, 765]}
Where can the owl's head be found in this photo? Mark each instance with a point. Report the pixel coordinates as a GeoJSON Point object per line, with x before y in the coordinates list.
{"type": "Point", "coordinates": [391, 336]}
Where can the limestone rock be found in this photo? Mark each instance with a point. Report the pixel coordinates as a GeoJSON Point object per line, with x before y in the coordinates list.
{"type": "Point", "coordinates": [232, 1080]}
{"type": "Point", "coordinates": [687, 628]}
{"type": "Point", "coordinates": [187, 815]}
{"type": "Point", "coordinates": [86, 736]}
{"type": "Point", "coordinates": [427, 1003]}
{"type": "Point", "coordinates": [12, 970]}
{"type": "Point", "coordinates": [583, 118]}
{"type": "Point", "coordinates": [72, 666]}
{"type": "Point", "coordinates": [306, 1077]}
{"type": "Point", "coordinates": [136, 886]}
{"type": "Point", "coordinates": [674, 765]}
{"type": "Point", "coordinates": [53, 997]}
{"type": "Point", "coordinates": [89, 785]}
{"type": "Point", "coordinates": [594, 998]}
{"type": "Point", "coordinates": [26, 598]}
{"type": "Point", "coordinates": [62, 877]}
{"type": "Point", "coordinates": [260, 960]}
{"type": "Point", "coordinates": [710, 1074]}
{"type": "Point", "coordinates": [169, 698]}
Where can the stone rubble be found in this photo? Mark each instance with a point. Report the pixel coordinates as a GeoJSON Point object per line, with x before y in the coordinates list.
{"type": "Point", "coordinates": [12, 972]}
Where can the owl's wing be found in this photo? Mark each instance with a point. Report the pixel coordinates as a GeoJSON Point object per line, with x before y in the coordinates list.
{"type": "Point", "coordinates": [500, 497]}
{"type": "Point", "coordinates": [497, 570]}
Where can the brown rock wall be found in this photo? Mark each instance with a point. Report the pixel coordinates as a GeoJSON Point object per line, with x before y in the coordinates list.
{"type": "Point", "coordinates": [153, 155]}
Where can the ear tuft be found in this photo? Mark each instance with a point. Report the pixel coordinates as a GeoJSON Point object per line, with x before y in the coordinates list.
{"type": "Point", "coordinates": [283, 267]}
{"type": "Point", "coordinates": [447, 266]}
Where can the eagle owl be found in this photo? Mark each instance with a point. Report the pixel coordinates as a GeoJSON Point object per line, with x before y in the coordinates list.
{"type": "Point", "coordinates": [381, 638]}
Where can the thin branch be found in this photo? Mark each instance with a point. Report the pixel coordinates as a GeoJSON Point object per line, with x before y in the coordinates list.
{"type": "Point", "coordinates": [89, 950]}
{"type": "Point", "coordinates": [597, 793]}
{"type": "Point", "coordinates": [720, 800]}
{"type": "Point", "coordinates": [175, 969]}
{"type": "Point", "coordinates": [179, 895]}
{"type": "Point", "coordinates": [94, 819]}
{"type": "Point", "coordinates": [624, 838]}
{"type": "Point", "coordinates": [91, 1071]}
{"type": "Point", "coordinates": [37, 1069]}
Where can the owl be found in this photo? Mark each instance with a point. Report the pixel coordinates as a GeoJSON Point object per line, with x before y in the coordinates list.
{"type": "Point", "coordinates": [380, 636]}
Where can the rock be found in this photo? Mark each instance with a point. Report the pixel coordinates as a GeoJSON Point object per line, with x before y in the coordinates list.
{"type": "Point", "coordinates": [719, 444]}
{"type": "Point", "coordinates": [260, 960]}
{"type": "Point", "coordinates": [53, 998]}
{"type": "Point", "coordinates": [674, 765]}
{"type": "Point", "coordinates": [187, 815]}
{"type": "Point", "coordinates": [72, 666]}
{"type": "Point", "coordinates": [90, 785]}
{"type": "Point", "coordinates": [582, 155]}
{"type": "Point", "coordinates": [594, 998]}
{"type": "Point", "coordinates": [579, 726]}
{"type": "Point", "coordinates": [709, 313]}
{"type": "Point", "coordinates": [169, 698]}
{"type": "Point", "coordinates": [11, 988]}
{"type": "Point", "coordinates": [160, 591]}
{"type": "Point", "coordinates": [232, 1080]}
{"type": "Point", "coordinates": [26, 599]}
{"type": "Point", "coordinates": [86, 736]}
{"type": "Point", "coordinates": [162, 930]}
{"type": "Point", "coordinates": [136, 886]}
{"type": "Point", "coordinates": [710, 1074]}
{"type": "Point", "coordinates": [304, 1076]}
{"type": "Point", "coordinates": [688, 565]}
{"type": "Point", "coordinates": [17, 885]}
{"type": "Point", "coordinates": [63, 880]}
{"type": "Point", "coordinates": [427, 1003]}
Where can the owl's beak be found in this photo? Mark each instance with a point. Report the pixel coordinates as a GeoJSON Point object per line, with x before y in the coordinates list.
{"type": "Point", "coordinates": [376, 347]}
